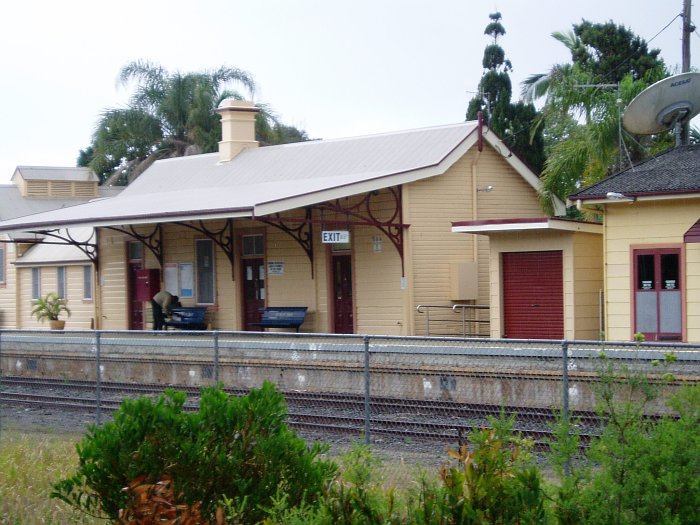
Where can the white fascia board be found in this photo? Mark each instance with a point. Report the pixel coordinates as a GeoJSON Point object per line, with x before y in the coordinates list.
{"type": "Point", "coordinates": [500, 228]}
{"type": "Point", "coordinates": [379, 183]}
{"type": "Point", "coordinates": [551, 224]}
{"type": "Point", "coordinates": [32, 229]}
{"type": "Point", "coordinates": [53, 262]}
{"type": "Point", "coordinates": [172, 218]}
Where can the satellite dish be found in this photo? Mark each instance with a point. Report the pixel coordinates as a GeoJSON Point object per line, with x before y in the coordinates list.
{"type": "Point", "coordinates": [673, 100]}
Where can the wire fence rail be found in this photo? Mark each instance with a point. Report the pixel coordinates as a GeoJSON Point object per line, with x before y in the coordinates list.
{"type": "Point", "coordinates": [403, 394]}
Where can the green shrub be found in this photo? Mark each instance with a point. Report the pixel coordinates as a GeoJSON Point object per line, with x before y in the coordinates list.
{"type": "Point", "coordinates": [235, 449]}
{"type": "Point", "coordinates": [492, 484]}
{"type": "Point", "coordinates": [642, 471]}
{"type": "Point", "coordinates": [354, 497]}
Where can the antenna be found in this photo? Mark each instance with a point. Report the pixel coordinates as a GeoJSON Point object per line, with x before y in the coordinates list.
{"type": "Point", "coordinates": [667, 104]}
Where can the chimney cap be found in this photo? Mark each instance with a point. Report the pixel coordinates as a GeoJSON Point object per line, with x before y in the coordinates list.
{"type": "Point", "coordinates": [233, 104]}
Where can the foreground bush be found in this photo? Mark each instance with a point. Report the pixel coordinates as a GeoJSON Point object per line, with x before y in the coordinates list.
{"type": "Point", "coordinates": [234, 449]}
{"type": "Point", "coordinates": [643, 472]}
{"type": "Point", "coordinates": [492, 483]}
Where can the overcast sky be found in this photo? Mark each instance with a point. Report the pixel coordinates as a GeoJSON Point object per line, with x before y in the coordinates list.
{"type": "Point", "coordinates": [335, 68]}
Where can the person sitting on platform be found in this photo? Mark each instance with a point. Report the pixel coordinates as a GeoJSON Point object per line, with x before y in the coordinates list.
{"type": "Point", "coordinates": [162, 304]}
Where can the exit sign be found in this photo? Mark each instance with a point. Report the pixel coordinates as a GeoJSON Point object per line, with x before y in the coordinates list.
{"type": "Point", "coordinates": [335, 236]}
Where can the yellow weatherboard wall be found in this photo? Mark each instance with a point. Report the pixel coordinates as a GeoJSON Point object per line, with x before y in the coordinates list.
{"type": "Point", "coordinates": [433, 204]}
{"type": "Point", "coordinates": [648, 223]}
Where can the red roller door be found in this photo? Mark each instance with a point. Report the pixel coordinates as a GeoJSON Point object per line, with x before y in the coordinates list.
{"type": "Point", "coordinates": [533, 295]}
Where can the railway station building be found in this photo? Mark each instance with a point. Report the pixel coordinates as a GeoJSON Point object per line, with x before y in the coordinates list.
{"type": "Point", "coordinates": [32, 265]}
{"type": "Point", "coordinates": [651, 246]}
{"type": "Point", "coordinates": [357, 230]}
{"type": "Point", "coordinates": [637, 272]}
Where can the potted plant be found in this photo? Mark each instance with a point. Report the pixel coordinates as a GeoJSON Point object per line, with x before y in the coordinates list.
{"type": "Point", "coordinates": [50, 307]}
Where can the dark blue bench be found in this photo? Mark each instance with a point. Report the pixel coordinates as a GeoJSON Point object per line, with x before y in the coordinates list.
{"type": "Point", "coordinates": [282, 317]}
{"type": "Point", "coordinates": [187, 318]}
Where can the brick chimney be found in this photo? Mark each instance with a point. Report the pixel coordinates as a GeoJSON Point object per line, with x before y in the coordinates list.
{"type": "Point", "coordinates": [237, 127]}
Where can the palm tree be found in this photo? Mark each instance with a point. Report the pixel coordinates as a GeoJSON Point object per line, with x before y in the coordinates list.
{"type": "Point", "coordinates": [584, 141]}
{"type": "Point", "coordinates": [171, 115]}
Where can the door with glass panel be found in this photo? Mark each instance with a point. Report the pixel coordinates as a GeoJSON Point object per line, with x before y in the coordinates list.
{"type": "Point", "coordinates": [658, 297]}
{"type": "Point", "coordinates": [134, 263]}
{"type": "Point", "coordinates": [253, 279]}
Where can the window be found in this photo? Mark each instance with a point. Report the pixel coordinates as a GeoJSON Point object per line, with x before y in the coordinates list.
{"type": "Point", "coordinates": [2, 263]}
{"type": "Point", "coordinates": [61, 281]}
{"type": "Point", "coordinates": [87, 282]}
{"type": "Point", "coordinates": [658, 294]}
{"type": "Point", "coordinates": [204, 255]}
{"type": "Point", "coordinates": [135, 251]}
{"type": "Point", "coordinates": [36, 283]}
{"type": "Point", "coordinates": [252, 245]}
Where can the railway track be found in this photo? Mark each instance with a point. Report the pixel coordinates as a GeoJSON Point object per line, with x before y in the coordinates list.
{"type": "Point", "coordinates": [437, 421]}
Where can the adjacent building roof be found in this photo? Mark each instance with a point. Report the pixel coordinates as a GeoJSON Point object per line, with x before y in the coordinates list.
{"type": "Point", "coordinates": [55, 252]}
{"type": "Point", "coordinates": [276, 178]}
{"type": "Point", "coordinates": [672, 172]}
{"type": "Point", "coordinates": [13, 205]}
{"type": "Point", "coordinates": [55, 173]}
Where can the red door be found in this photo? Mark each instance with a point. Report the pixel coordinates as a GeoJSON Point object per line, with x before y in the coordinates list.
{"type": "Point", "coordinates": [253, 291]}
{"type": "Point", "coordinates": [343, 317]}
{"type": "Point", "coordinates": [533, 295]}
{"type": "Point", "coordinates": [135, 304]}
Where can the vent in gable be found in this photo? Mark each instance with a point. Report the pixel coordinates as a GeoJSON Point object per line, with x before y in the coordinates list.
{"type": "Point", "coordinates": [36, 188]}
{"type": "Point", "coordinates": [60, 188]}
{"type": "Point", "coordinates": [84, 189]}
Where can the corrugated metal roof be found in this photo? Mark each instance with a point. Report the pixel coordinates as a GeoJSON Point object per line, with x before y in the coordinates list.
{"type": "Point", "coordinates": [50, 254]}
{"type": "Point", "coordinates": [13, 205]}
{"type": "Point", "coordinates": [327, 161]}
{"type": "Point", "coordinates": [275, 178]}
{"type": "Point", "coordinates": [55, 173]}
{"type": "Point", "coordinates": [201, 186]}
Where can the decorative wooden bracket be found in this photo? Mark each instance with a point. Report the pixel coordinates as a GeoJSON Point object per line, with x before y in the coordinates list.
{"type": "Point", "coordinates": [87, 247]}
{"type": "Point", "coordinates": [153, 241]}
{"type": "Point", "coordinates": [300, 230]}
{"type": "Point", "coordinates": [223, 238]}
{"type": "Point", "coordinates": [393, 227]}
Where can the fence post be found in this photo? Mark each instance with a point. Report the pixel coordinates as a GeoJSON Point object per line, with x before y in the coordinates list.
{"type": "Point", "coordinates": [98, 377]}
{"type": "Point", "coordinates": [367, 392]}
{"type": "Point", "coordinates": [565, 393]}
{"type": "Point", "coordinates": [216, 356]}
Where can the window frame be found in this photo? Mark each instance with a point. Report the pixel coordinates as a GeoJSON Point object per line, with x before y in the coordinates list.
{"type": "Point", "coordinates": [61, 282]}
{"type": "Point", "coordinates": [211, 273]}
{"type": "Point", "coordinates": [3, 259]}
{"type": "Point", "coordinates": [88, 282]}
{"type": "Point", "coordinates": [657, 251]}
{"type": "Point", "coordinates": [36, 283]}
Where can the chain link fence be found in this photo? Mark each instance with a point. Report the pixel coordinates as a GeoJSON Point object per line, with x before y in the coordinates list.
{"type": "Point", "coordinates": [409, 398]}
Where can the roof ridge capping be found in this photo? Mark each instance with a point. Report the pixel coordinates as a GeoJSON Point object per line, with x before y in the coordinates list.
{"type": "Point", "coordinates": [388, 133]}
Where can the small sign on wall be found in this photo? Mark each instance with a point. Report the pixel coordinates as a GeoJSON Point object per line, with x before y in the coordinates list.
{"type": "Point", "coordinates": [335, 236]}
{"type": "Point", "coordinates": [275, 268]}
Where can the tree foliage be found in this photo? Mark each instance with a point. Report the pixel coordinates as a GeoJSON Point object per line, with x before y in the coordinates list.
{"type": "Point", "coordinates": [170, 115]}
{"type": "Point", "coordinates": [512, 122]}
{"type": "Point", "coordinates": [237, 449]}
{"type": "Point", "coordinates": [584, 100]}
